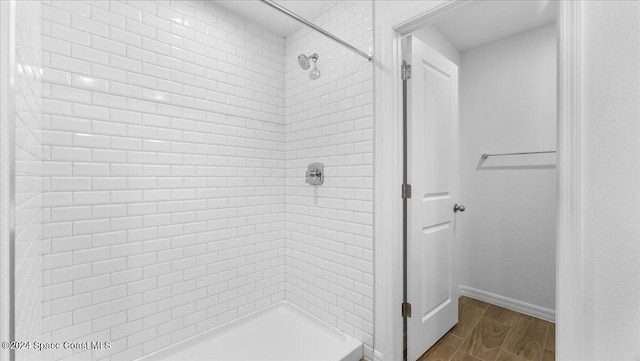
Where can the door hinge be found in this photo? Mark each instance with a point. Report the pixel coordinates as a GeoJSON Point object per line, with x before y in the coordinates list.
{"type": "Point", "coordinates": [406, 71]}
{"type": "Point", "coordinates": [406, 309]}
{"type": "Point", "coordinates": [406, 191]}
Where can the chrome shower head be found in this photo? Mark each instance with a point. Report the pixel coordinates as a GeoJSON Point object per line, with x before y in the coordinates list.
{"type": "Point", "coordinates": [303, 60]}
{"type": "Point", "coordinates": [305, 63]}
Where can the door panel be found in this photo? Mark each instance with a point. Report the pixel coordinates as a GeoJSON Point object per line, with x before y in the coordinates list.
{"type": "Point", "coordinates": [434, 243]}
{"type": "Point", "coordinates": [432, 171]}
{"type": "Point", "coordinates": [432, 107]}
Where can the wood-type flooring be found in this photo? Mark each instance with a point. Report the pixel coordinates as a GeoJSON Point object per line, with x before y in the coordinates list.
{"type": "Point", "coordinates": [487, 332]}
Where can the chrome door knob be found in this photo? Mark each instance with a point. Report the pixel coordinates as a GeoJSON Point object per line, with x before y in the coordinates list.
{"type": "Point", "coordinates": [458, 208]}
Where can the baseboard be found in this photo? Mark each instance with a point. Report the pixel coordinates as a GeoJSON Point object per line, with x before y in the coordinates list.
{"type": "Point", "coordinates": [506, 302]}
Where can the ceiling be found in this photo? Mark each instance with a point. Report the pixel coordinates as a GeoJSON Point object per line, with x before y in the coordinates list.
{"type": "Point", "coordinates": [484, 21]}
{"type": "Point", "coordinates": [274, 20]}
{"type": "Point", "coordinates": [469, 26]}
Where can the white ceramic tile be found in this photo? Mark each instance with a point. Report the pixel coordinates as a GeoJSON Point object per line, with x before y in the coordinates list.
{"type": "Point", "coordinates": [89, 26]}
{"type": "Point", "coordinates": [191, 121]}
{"type": "Point", "coordinates": [66, 33]}
{"type": "Point", "coordinates": [325, 270]}
{"type": "Point", "coordinates": [127, 144]}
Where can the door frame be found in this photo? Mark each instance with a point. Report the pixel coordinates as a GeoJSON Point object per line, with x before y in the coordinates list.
{"type": "Point", "coordinates": [392, 22]}
{"type": "Point", "coordinates": [7, 174]}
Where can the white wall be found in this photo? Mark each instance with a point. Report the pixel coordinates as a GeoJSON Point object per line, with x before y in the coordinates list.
{"type": "Point", "coordinates": [330, 120]}
{"type": "Point", "coordinates": [164, 210]}
{"type": "Point", "coordinates": [508, 104]}
{"type": "Point", "coordinates": [434, 39]}
{"type": "Point", "coordinates": [611, 41]}
{"type": "Point", "coordinates": [611, 193]}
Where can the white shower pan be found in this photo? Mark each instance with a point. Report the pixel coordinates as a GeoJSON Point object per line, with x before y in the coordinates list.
{"type": "Point", "coordinates": [281, 332]}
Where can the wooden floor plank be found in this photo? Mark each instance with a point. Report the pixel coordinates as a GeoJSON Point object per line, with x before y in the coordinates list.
{"type": "Point", "coordinates": [508, 356]}
{"type": "Point", "coordinates": [468, 317]}
{"type": "Point", "coordinates": [491, 333]}
{"type": "Point", "coordinates": [502, 315]}
{"type": "Point", "coordinates": [473, 302]}
{"type": "Point", "coordinates": [486, 339]}
{"type": "Point", "coordinates": [548, 355]}
{"type": "Point", "coordinates": [550, 341]}
{"type": "Point", "coordinates": [462, 356]}
{"type": "Point", "coordinates": [526, 338]}
{"type": "Point", "coordinates": [443, 350]}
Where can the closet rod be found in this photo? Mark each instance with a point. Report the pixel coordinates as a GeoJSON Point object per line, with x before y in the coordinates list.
{"type": "Point", "coordinates": [295, 16]}
{"type": "Point", "coordinates": [487, 155]}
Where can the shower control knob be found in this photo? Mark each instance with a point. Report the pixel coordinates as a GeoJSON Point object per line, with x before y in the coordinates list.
{"type": "Point", "coordinates": [314, 174]}
{"type": "Point", "coordinates": [458, 208]}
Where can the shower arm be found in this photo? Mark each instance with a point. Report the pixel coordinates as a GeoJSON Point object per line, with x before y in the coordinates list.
{"type": "Point", "coordinates": [295, 16]}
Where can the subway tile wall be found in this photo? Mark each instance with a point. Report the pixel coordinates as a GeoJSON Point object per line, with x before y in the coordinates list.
{"type": "Point", "coordinates": [329, 245]}
{"type": "Point", "coordinates": [164, 132]}
{"type": "Point", "coordinates": [28, 176]}
{"type": "Point", "coordinates": [168, 157]}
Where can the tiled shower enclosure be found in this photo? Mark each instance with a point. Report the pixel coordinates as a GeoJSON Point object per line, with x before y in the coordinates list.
{"type": "Point", "coordinates": [160, 157]}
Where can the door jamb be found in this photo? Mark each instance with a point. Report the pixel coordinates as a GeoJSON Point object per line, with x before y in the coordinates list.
{"type": "Point", "coordinates": [388, 178]}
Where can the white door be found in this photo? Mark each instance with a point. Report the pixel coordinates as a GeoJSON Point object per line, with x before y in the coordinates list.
{"type": "Point", "coordinates": [432, 171]}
